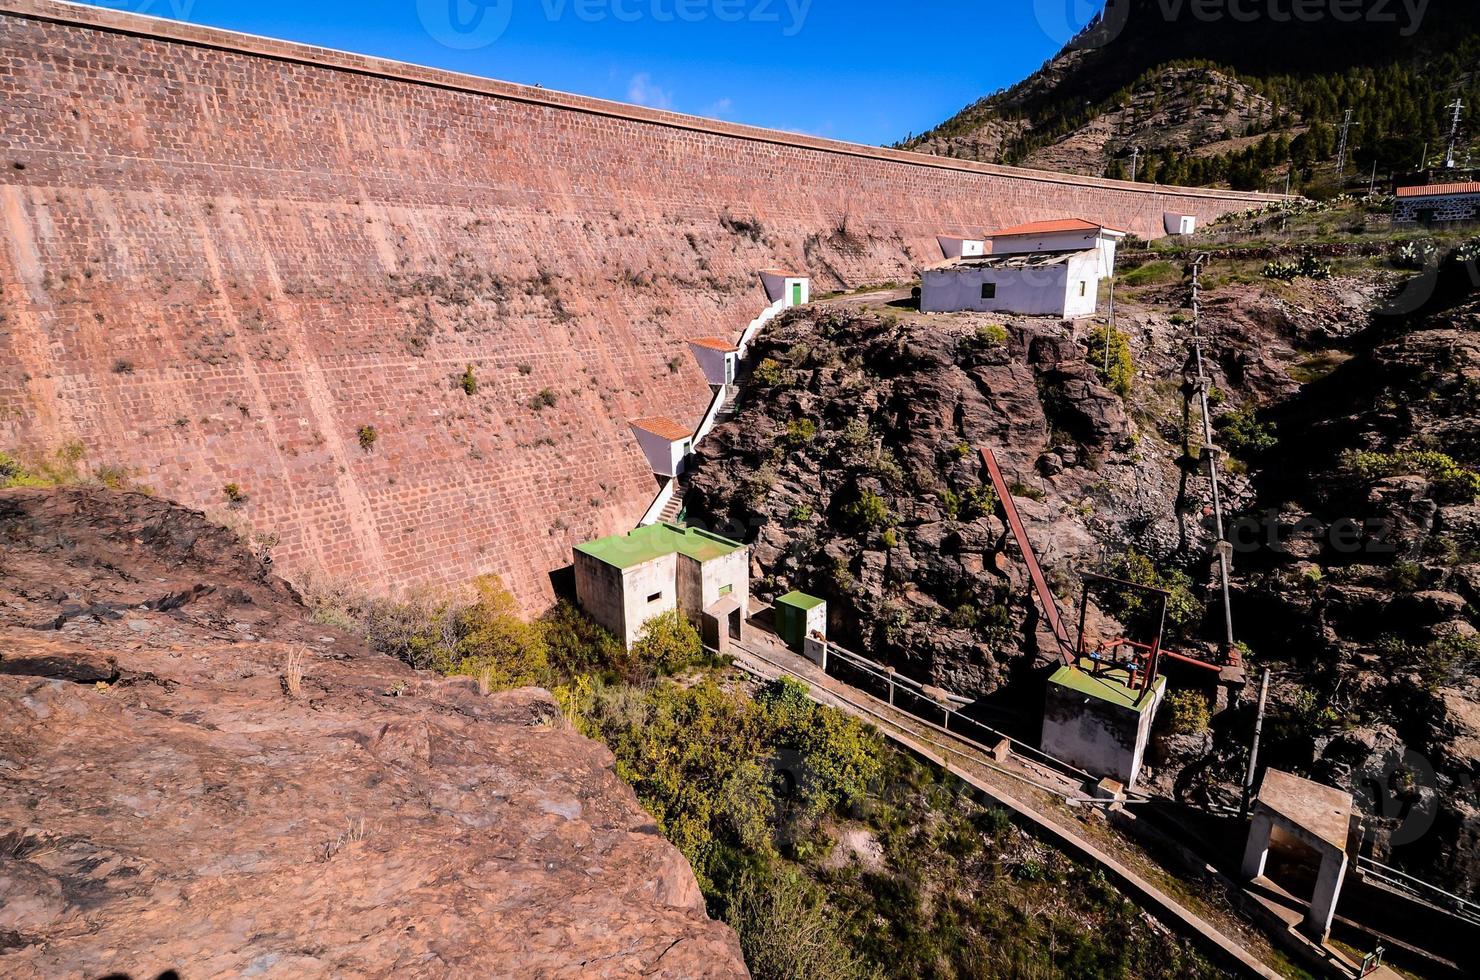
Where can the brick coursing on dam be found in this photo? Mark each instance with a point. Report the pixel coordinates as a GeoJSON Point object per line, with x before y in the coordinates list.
{"type": "Point", "coordinates": [222, 257]}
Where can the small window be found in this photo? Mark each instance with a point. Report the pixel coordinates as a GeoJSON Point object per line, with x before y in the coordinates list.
{"type": "Point", "coordinates": [726, 589]}
{"type": "Point", "coordinates": [654, 597]}
{"type": "Point", "coordinates": [989, 290]}
{"type": "Point", "coordinates": [1082, 287]}
{"type": "Point", "coordinates": [688, 446]}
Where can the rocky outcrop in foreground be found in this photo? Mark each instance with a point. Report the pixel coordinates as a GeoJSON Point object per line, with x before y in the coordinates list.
{"type": "Point", "coordinates": [166, 802]}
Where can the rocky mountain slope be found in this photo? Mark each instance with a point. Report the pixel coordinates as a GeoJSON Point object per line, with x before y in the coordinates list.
{"type": "Point", "coordinates": [171, 797]}
{"type": "Point", "coordinates": [1185, 81]}
{"type": "Point", "coordinates": [851, 465]}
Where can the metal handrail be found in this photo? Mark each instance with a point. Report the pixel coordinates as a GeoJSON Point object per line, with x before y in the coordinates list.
{"type": "Point", "coordinates": [1419, 888]}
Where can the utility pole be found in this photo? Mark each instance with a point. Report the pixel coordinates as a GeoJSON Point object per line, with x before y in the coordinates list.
{"type": "Point", "coordinates": [1458, 105]}
{"type": "Point", "coordinates": [1135, 158]}
{"type": "Point", "coordinates": [1346, 125]}
{"type": "Point", "coordinates": [1254, 747]}
{"type": "Point", "coordinates": [1372, 188]}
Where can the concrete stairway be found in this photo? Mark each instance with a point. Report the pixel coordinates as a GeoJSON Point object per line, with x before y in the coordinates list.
{"type": "Point", "coordinates": [670, 512]}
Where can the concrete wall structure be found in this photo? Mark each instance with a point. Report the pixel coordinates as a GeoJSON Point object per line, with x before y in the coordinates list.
{"type": "Point", "coordinates": [1092, 724]}
{"type": "Point", "coordinates": [220, 256]}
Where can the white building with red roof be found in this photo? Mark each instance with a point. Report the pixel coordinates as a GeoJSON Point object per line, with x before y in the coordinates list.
{"type": "Point", "coordinates": [1042, 268]}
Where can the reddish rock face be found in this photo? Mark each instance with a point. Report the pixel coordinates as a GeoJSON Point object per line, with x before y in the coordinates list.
{"type": "Point", "coordinates": [222, 257]}
{"type": "Point", "coordinates": [166, 803]}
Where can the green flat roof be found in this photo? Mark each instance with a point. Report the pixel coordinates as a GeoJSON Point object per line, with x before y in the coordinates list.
{"type": "Point", "coordinates": [800, 600]}
{"type": "Point", "coordinates": [643, 544]}
{"type": "Point", "coordinates": [1110, 686]}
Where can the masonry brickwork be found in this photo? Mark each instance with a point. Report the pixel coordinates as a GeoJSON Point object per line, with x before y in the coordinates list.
{"type": "Point", "coordinates": [223, 257]}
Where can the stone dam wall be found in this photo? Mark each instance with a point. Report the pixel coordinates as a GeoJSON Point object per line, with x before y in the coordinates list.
{"type": "Point", "coordinates": [223, 258]}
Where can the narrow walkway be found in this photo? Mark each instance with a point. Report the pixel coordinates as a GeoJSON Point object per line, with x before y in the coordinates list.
{"type": "Point", "coordinates": [763, 657]}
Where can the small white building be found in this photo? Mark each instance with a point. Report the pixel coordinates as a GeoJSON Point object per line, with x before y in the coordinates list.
{"type": "Point", "coordinates": [1179, 224]}
{"type": "Point", "coordinates": [792, 287]}
{"type": "Point", "coordinates": [1047, 268]}
{"type": "Point", "coordinates": [624, 580]}
{"type": "Point", "coordinates": [665, 443]}
{"type": "Point", "coordinates": [962, 246]}
{"type": "Point", "coordinates": [718, 358]}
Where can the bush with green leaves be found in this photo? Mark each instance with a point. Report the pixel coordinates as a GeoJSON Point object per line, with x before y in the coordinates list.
{"type": "Point", "coordinates": [667, 643]}
{"type": "Point", "coordinates": [867, 512]}
{"type": "Point", "coordinates": [1117, 371]}
{"type": "Point", "coordinates": [1137, 610]}
{"type": "Point", "coordinates": [1186, 713]}
{"type": "Point", "coordinates": [769, 372]}
{"type": "Point", "coordinates": [497, 643]}
{"type": "Point", "coordinates": [1244, 435]}
{"type": "Point", "coordinates": [1451, 480]}
{"type": "Point", "coordinates": [799, 432]}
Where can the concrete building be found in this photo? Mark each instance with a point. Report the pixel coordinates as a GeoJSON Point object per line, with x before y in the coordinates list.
{"type": "Point", "coordinates": [1063, 284]}
{"type": "Point", "coordinates": [1298, 820]}
{"type": "Point", "coordinates": [665, 443]}
{"type": "Point", "coordinates": [624, 580]}
{"type": "Point", "coordinates": [1435, 204]}
{"type": "Point", "coordinates": [1046, 268]}
{"type": "Point", "coordinates": [962, 246]}
{"type": "Point", "coordinates": [1098, 722]}
{"type": "Point", "coordinates": [1179, 224]}
{"type": "Point", "coordinates": [793, 287]}
{"type": "Point", "coordinates": [718, 358]}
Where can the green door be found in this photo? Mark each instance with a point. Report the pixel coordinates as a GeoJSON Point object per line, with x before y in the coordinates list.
{"type": "Point", "coordinates": [796, 294]}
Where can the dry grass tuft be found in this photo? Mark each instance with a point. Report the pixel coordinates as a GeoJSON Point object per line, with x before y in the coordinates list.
{"type": "Point", "coordinates": [353, 833]}
{"type": "Point", "coordinates": [293, 672]}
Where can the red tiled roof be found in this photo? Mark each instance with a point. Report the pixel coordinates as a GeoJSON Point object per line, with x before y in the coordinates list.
{"type": "Point", "coordinates": [1437, 190]}
{"type": "Point", "coordinates": [663, 427]}
{"type": "Point", "coordinates": [1050, 227]}
{"type": "Point", "coordinates": [714, 343]}
{"type": "Point", "coordinates": [963, 236]}
{"type": "Point", "coordinates": [784, 273]}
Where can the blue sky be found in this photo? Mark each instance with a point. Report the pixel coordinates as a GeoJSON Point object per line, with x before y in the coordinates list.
{"type": "Point", "coordinates": [866, 70]}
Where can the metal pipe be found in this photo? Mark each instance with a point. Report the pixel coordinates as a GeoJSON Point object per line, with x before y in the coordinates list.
{"type": "Point", "coordinates": [1254, 747]}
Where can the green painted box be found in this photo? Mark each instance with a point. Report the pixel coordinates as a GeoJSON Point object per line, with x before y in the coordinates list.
{"type": "Point", "coordinates": [798, 614]}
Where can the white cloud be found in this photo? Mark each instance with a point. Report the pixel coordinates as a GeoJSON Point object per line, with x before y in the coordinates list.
{"type": "Point", "coordinates": [642, 91]}
{"type": "Point", "coordinates": [720, 107]}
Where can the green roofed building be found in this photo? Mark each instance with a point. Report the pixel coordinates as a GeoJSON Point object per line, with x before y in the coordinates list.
{"type": "Point", "coordinates": [1096, 720]}
{"type": "Point", "coordinates": [624, 580]}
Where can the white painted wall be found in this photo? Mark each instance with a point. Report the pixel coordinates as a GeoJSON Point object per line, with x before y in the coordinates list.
{"type": "Point", "coordinates": [956, 248]}
{"type": "Point", "coordinates": [617, 598]}
{"type": "Point", "coordinates": [1031, 292]}
{"type": "Point", "coordinates": [657, 577]}
{"type": "Point", "coordinates": [666, 458]}
{"type": "Point", "coordinates": [1082, 289]}
{"type": "Point", "coordinates": [732, 570]}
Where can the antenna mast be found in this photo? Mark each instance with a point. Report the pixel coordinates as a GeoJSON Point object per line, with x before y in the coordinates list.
{"type": "Point", "coordinates": [1458, 105]}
